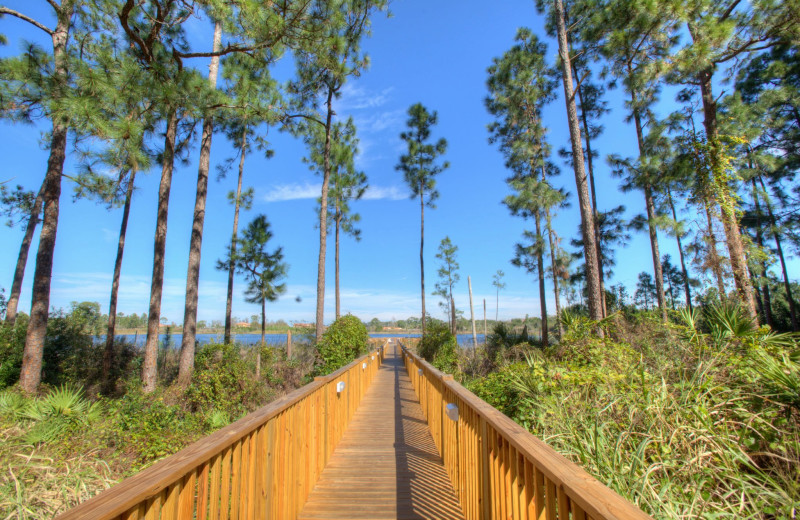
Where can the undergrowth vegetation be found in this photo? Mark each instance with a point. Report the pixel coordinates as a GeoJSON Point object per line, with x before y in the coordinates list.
{"type": "Point", "coordinates": [696, 418]}
{"type": "Point", "coordinates": [82, 434]}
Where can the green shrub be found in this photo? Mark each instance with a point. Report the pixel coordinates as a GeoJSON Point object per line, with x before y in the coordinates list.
{"type": "Point", "coordinates": [12, 343]}
{"type": "Point", "coordinates": [439, 347]}
{"type": "Point", "coordinates": [151, 428]}
{"type": "Point", "coordinates": [223, 380]}
{"type": "Point", "coordinates": [500, 390]}
{"type": "Point", "coordinates": [343, 342]}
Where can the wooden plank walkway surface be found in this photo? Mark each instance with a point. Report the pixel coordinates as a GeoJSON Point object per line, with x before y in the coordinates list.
{"type": "Point", "coordinates": [386, 464]}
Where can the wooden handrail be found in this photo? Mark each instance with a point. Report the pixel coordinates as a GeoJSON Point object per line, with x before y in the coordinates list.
{"type": "Point", "coordinates": [499, 469]}
{"type": "Point", "coordinates": [262, 466]}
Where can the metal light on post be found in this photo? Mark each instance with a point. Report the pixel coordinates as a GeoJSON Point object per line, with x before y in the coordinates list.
{"type": "Point", "coordinates": [339, 387]}
{"type": "Point", "coordinates": [452, 412]}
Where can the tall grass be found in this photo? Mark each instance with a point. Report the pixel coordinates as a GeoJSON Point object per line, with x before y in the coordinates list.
{"type": "Point", "coordinates": [697, 420]}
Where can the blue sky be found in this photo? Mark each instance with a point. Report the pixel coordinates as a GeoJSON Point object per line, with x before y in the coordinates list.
{"type": "Point", "coordinates": [435, 53]}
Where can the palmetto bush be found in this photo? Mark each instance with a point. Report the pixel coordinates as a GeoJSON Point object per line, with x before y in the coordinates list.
{"type": "Point", "coordinates": [53, 415]}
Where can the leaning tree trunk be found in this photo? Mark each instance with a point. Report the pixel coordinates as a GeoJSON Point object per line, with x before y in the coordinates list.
{"type": "Point", "coordinates": [31, 371]}
{"type": "Point", "coordinates": [684, 271]}
{"type": "Point", "coordinates": [651, 214]}
{"type": "Point", "coordinates": [786, 284]}
{"type": "Point", "coordinates": [108, 354]}
{"type": "Point", "coordinates": [231, 266]}
{"type": "Point", "coordinates": [725, 202]}
{"type": "Point", "coordinates": [323, 220]}
{"type": "Point", "coordinates": [540, 267]}
{"type": "Point", "coordinates": [22, 259]}
{"type": "Point", "coordinates": [421, 247]}
{"type": "Point", "coordinates": [186, 363]}
{"type": "Point", "coordinates": [590, 165]}
{"type": "Point", "coordinates": [159, 248]}
{"type": "Point", "coordinates": [587, 218]}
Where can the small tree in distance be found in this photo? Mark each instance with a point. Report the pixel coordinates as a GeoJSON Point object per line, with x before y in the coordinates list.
{"type": "Point", "coordinates": [263, 270]}
{"type": "Point", "coordinates": [448, 277]}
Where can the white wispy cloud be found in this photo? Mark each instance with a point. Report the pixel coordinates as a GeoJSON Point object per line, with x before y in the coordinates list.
{"type": "Point", "coordinates": [385, 193]}
{"type": "Point", "coordinates": [386, 120]}
{"type": "Point", "coordinates": [358, 98]}
{"type": "Point", "coordinates": [283, 192]}
{"type": "Point", "coordinates": [308, 190]}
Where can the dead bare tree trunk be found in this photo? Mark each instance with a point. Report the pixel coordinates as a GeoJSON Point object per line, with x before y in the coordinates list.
{"type": "Point", "coordinates": [472, 316]}
{"type": "Point", "coordinates": [540, 268]}
{"type": "Point", "coordinates": [421, 248]}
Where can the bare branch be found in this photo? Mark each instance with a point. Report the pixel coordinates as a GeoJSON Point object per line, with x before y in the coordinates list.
{"type": "Point", "coordinates": [6, 10]}
{"type": "Point", "coordinates": [54, 4]}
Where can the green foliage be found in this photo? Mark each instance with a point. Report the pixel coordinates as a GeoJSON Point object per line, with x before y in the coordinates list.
{"type": "Point", "coordinates": [499, 389]}
{"type": "Point", "coordinates": [62, 411]}
{"type": "Point", "coordinates": [12, 344]}
{"type": "Point", "coordinates": [342, 342]}
{"type": "Point", "coordinates": [439, 347]}
{"type": "Point", "coordinates": [223, 380]}
{"type": "Point", "coordinates": [682, 420]}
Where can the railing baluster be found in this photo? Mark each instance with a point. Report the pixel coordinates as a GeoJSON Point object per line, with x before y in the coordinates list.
{"type": "Point", "coordinates": [498, 469]}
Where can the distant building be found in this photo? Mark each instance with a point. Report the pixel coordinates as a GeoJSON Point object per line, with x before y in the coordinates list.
{"type": "Point", "coordinates": [303, 325]}
{"type": "Point", "coordinates": [242, 324]}
{"type": "Point", "coordinates": [392, 328]}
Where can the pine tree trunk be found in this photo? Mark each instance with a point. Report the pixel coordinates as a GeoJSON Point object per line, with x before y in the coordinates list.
{"type": "Point", "coordinates": [31, 371]}
{"type": "Point", "coordinates": [590, 164]}
{"type": "Point", "coordinates": [108, 354]}
{"type": "Point", "coordinates": [338, 304]}
{"type": "Point", "coordinates": [587, 218]}
{"type": "Point", "coordinates": [22, 259]}
{"type": "Point", "coordinates": [236, 205]}
{"type": "Point", "coordinates": [323, 221]}
{"type": "Point", "coordinates": [553, 264]}
{"type": "Point", "coordinates": [763, 292]}
{"type": "Point", "coordinates": [421, 258]}
{"type": "Point", "coordinates": [149, 366]}
{"type": "Point", "coordinates": [711, 241]}
{"type": "Point", "coordinates": [453, 314]}
{"type": "Point", "coordinates": [263, 335]}
{"type": "Point", "coordinates": [786, 283]}
{"type": "Point", "coordinates": [651, 215]}
{"type": "Point", "coordinates": [540, 268]}
{"type": "Point", "coordinates": [730, 224]}
{"type": "Point", "coordinates": [186, 364]}
{"type": "Point", "coordinates": [680, 253]}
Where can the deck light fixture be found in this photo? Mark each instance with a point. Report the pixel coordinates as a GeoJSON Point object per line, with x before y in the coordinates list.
{"type": "Point", "coordinates": [452, 412]}
{"type": "Point", "coordinates": [339, 387]}
{"type": "Point", "coordinates": [419, 371]}
{"type": "Point", "coordinates": [364, 366]}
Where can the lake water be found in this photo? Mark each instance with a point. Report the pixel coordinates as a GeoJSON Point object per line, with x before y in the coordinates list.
{"type": "Point", "coordinates": [465, 340]}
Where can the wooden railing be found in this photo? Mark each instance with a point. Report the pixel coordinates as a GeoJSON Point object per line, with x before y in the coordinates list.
{"type": "Point", "coordinates": [498, 469]}
{"type": "Point", "coordinates": [262, 466]}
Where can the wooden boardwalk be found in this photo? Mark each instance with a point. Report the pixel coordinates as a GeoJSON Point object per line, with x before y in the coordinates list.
{"type": "Point", "coordinates": [386, 464]}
